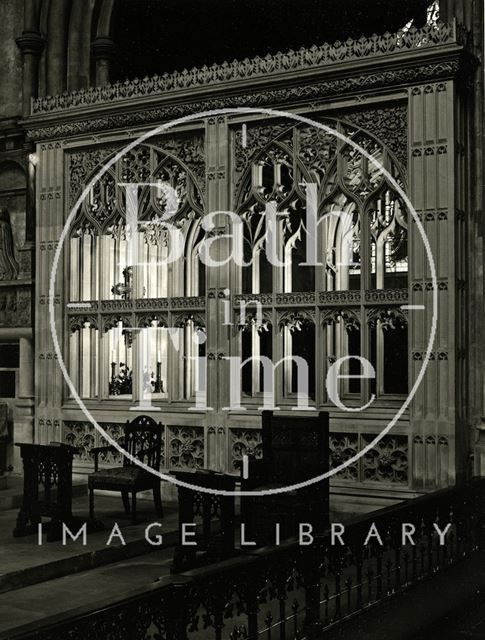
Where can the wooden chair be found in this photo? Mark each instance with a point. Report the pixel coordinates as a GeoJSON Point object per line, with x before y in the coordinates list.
{"type": "Point", "coordinates": [143, 440]}
{"type": "Point", "coordinates": [295, 449]}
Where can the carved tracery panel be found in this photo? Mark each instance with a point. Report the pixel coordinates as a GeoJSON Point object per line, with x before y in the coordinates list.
{"type": "Point", "coordinates": [361, 242]}
{"type": "Point", "coordinates": [114, 266]}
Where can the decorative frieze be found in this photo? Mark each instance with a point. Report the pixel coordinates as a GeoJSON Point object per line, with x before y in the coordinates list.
{"type": "Point", "coordinates": [117, 305]}
{"type": "Point", "coordinates": [434, 355]}
{"type": "Point", "coordinates": [386, 463]}
{"type": "Point", "coordinates": [390, 296]}
{"type": "Point", "coordinates": [187, 302]}
{"type": "Point", "coordinates": [264, 299]}
{"type": "Point", "coordinates": [377, 46]}
{"type": "Point", "coordinates": [426, 284]}
{"type": "Point", "coordinates": [84, 436]}
{"type": "Point", "coordinates": [265, 98]}
{"type": "Point", "coordinates": [151, 303]}
{"type": "Point", "coordinates": [295, 298]}
{"type": "Point", "coordinates": [339, 297]}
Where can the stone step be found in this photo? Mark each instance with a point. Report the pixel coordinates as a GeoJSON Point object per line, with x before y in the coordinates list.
{"type": "Point", "coordinates": [26, 608]}
{"type": "Point", "coordinates": [23, 562]}
{"type": "Point", "coordinates": [82, 561]}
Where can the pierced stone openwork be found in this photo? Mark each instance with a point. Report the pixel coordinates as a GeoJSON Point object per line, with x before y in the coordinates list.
{"type": "Point", "coordinates": [113, 268]}
{"type": "Point", "coordinates": [361, 247]}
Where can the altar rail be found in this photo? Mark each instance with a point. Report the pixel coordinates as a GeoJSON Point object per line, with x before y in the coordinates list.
{"type": "Point", "coordinates": [431, 35]}
{"type": "Point", "coordinates": [290, 591]}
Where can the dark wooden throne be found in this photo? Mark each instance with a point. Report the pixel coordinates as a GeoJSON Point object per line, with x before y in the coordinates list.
{"type": "Point", "coordinates": [294, 450]}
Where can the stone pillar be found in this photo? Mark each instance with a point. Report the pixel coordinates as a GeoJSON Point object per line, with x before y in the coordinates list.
{"type": "Point", "coordinates": [218, 294]}
{"type": "Point", "coordinates": [103, 50]}
{"type": "Point", "coordinates": [56, 54]}
{"type": "Point", "coordinates": [50, 213]}
{"type": "Point", "coordinates": [437, 413]}
{"type": "Point", "coordinates": [30, 44]}
{"type": "Point", "coordinates": [24, 409]}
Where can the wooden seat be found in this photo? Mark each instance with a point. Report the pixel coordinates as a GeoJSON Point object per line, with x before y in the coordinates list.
{"type": "Point", "coordinates": [295, 449]}
{"type": "Point", "coordinates": [143, 440]}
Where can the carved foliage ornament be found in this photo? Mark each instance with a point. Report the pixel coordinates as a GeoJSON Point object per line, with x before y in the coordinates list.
{"type": "Point", "coordinates": [297, 320]}
{"type": "Point", "coordinates": [350, 318]}
{"type": "Point", "coordinates": [430, 35]}
{"type": "Point", "coordinates": [389, 318]}
{"type": "Point", "coordinates": [186, 447]}
{"type": "Point", "coordinates": [386, 463]}
{"type": "Point", "coordinates": [245, 442]}
{"type": "Point", "coordinates": [266, 98]}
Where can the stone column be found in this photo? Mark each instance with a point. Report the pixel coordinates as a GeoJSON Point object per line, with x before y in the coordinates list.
{"type": "Point", "coordinates": [24, 409]}
{"type": "Point", "coordinates": [30, 44]}
{"type": "Point", "coordinates": [50, 213]}
{"type": "Point", "coordinates": [438, 412]}
{"type": "Point", "coordinates": [218, 293]}
{"type": "Point", "coordinates": [103, 49]}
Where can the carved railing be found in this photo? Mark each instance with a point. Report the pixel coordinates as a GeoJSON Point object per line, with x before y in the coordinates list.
{"type": "Point", "coordinates": [305, 58]}
{"type": "Point", "coordinates": [290, 591]}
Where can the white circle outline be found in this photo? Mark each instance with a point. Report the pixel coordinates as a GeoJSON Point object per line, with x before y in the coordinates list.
{"type": "Point", "coordinates": [198, 116]}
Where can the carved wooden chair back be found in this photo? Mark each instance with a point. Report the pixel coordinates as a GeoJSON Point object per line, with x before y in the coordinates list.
{"type": "Point", "coordinates": [143, 439]}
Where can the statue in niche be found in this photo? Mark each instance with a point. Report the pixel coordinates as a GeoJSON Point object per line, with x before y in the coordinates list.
{"type": "Point", "coordinates": [8, 265]}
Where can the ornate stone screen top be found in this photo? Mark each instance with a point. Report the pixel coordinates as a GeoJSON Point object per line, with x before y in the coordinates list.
{"type": "Point", "coordinates": [326, 55]}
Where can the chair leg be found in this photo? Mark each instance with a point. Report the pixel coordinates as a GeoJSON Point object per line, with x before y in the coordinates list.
{"type": "Point", "coordinates": [157, 499]}
{"type": "Point", "coordinates": [126, 501]}
{"type": "Point", "coordinates": [133, 508]}
{"type": "Point", "coordinates": [91, 503]}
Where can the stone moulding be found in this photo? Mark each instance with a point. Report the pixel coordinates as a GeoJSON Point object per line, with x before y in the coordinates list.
{"type": "Point", "coordinates": [305, 93]}
{"type": "Point", "coordinates": [303, 59]}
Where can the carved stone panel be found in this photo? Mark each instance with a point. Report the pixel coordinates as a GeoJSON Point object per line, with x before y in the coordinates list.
{"type": "Point", "coordinates": [84, 436]}
{"type": "Point", "coordinates": [185, 447]}
{"type": "Point", "coordinates": [344, 446]}
{"type": "Point", "coordinates": [386, 463]}
{"type": "Point", "coordinates": [245, 442]}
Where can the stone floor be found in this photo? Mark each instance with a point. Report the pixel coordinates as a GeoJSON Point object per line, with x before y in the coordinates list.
{"type": "Point", "coordinates": [48, 579]}
{"type": "Point", "coordinates": [33, 603]}
{"type": "Point", "coordinates": [44, 580]}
